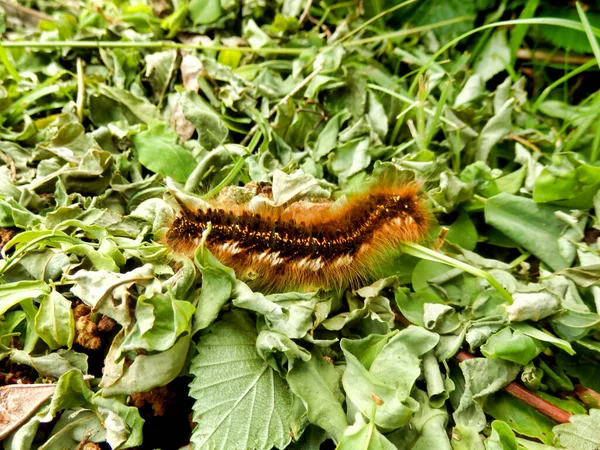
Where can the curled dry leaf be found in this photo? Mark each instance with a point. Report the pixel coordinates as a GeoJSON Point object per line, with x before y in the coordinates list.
{"type": "Point", "coordinates": [18, 402]}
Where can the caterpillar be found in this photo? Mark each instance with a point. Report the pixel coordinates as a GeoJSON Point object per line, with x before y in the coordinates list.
{"type": "Point", "coordinates": [307, 245]}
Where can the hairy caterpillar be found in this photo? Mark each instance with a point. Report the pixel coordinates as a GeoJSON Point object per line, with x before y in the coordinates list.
{"type": "Point", "coordinates": [308, 245]}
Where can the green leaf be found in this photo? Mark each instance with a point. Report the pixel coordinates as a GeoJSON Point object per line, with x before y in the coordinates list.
{"type": "Point", "coordinates": [502, 437]}
{"type": "Point", "coordinates": [146, 372]}
{"type": "Point", "coordinates": [53, 364]}
{"type": "Point", "coordinates": [287, 313]}
{"type": "Point", "coordinates": [568, 182]}
{"type": "Point", "coordinates": [13, 293]}
{"type": "Point", "coordinates": [54, 321]}
{"type": "Point", "coordinates": [136, 109]}
{"type": "Point", "coordinates": [522, 418]}
{"type": "Point", "coordinates": [211, 130]}
{"type": "Point", "coordinates": [317, 383]}
{"type": "Point", "coordinates": [74, 426]}
{"type": "Point", "coordinates": [390, 376]}
{"type": "Point", "coordinates": [123, 423]}
{"type": "Point", "coordinates": [217, 286]}
{"type": "Point", "coordinates": [365, 436]}
{"type": "Point", "coordinates": [241, 402]}
{"type": "Point", "coordinates": [466, 438]}
{"type": "Point", "coordinates": [581, 433]}
{"type": "Point", "coordinates": [481, 377]}
{"type": "Point", "coordinates": [160, 320]}
{"type": "Point", "coordinates": [540, 335]}
{"type": "Point", "coordinates": [157, 150]}
{"type": "Point", "coordinates": [463, 232]}
{"type": "Point", "coordinates": [204, 11]}
{"type": "Point", "coordinates": [494, 57]}
{"type": "Point", "coordinates": [515, 347]}
{"type": "Point", "coordinates": [531, 225]}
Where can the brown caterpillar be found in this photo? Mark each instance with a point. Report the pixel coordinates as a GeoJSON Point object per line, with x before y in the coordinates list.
{"type": "Point", "coordinates": [308, 245]}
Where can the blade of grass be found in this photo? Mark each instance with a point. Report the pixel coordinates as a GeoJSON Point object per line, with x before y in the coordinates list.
{"type": "Point", "coordinates": [9, 67]}
{"type": "Point", "coordinates": [589, 32]}
{"type": "Point", "coordinates": [518, 33]}
{"type": "Point", "coordinates": [560, 81]}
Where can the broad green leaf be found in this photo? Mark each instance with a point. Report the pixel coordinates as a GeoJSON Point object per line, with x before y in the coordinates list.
{"type": "Point", "coordinates": [481, 377]}
{"type": "Point", "coordinates": [581, 433]}
{"type": "Point", "coordinates": [157, 149]}
{"type": "Point", "coordinates": [13, 293]}
{"type": "Point", "coordinates": [391, 375]}
{"type": "Point", "coordinates": [516, 347]}
{"type": "Point", "coordinates": [160, 320]}
{"type": "Point", "coordinates": [287, 313]}
{"type": "Point", "coordinates": [138, 108]}
{"type": "Point", "coordinates": [241, 402]}
{"type": "Point", "coordinates": [53, 364]}
{"type": "Point", "coordinates": [502, 437]}
{"type": "Point", "coordinates": [327, 139]}
{"type": "Point", "coordinates": [531, 225]}
{"type": "Point", "coordinates": [463, 232]}
{"type": "Point", "coordinates": [522, 418]}
{"type": "Point", "coordinates": [123, 423]}
{"type": "Point", "coordinates": [584, 276]}
{"type": "Point", "coordinates": [71, 392]}
{"type": "Point", "coordinates": [574, 325]}
{"type": "Point", "coordinates": [365, 436]}
{"type": "Point", "coordinates": [217, 287]}
{"type": "Point", "coordinates": [317, 383]}
{"type": "Point", "coordinates": [73, 426]}
{"type": "Point", "coordinates": [278, 349]}
{"type": "Point", "coordinates": [54, 322]}
{"type": "Point", "coordinates": [543, 336]}
{"type": "Point", "coordinates": [494, 57]}
{"type": "Point", "coordinates": [568, 181]}
{"type": "Point", "coordinates": [146, 372]}
{"type": "Point", "coordinates": [430, 423]}
{"type": "Point", "coordinates": [466, 438]}
{"type": "Point", "coordinates": [160, 67]}
{"type": "Point", "coordinates": [211, 130]}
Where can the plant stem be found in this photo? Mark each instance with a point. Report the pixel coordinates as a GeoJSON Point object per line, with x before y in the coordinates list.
{"type": "Point", "coordinates": [425, 253]}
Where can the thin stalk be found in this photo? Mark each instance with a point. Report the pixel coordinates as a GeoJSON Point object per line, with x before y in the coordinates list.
{"type": "Point", "coordinates": [431, 255]}
{"type": "Point", "coordinates": [560, 81]}
{"type": "Point", "coordinates": [406, 32]}
{"type": "Point", "coordinates": [149, 45]}
{"type": "Point", "coordinates": [80, 90]}
{"type": "Point", "coordinates": [406, 99]}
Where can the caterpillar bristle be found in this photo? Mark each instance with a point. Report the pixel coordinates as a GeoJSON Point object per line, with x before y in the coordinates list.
{"type": "Point", "coordinates": [308, 246]}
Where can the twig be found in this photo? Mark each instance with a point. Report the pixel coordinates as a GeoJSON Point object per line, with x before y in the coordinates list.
{"type": "Point", "coordinates": [560, 58]}
{"type": "Point", "coordinates": [525, 142]}
{"type": "Point", "coordinates": [528, 397]}
{"type": "Point", "coordinates": [305, 13]}
{"type": "Point", "coordinates": [26, 15]}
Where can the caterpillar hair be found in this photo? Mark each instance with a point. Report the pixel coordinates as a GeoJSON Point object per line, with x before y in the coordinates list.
{"type": "Point", "coordinates": [308, 245]}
